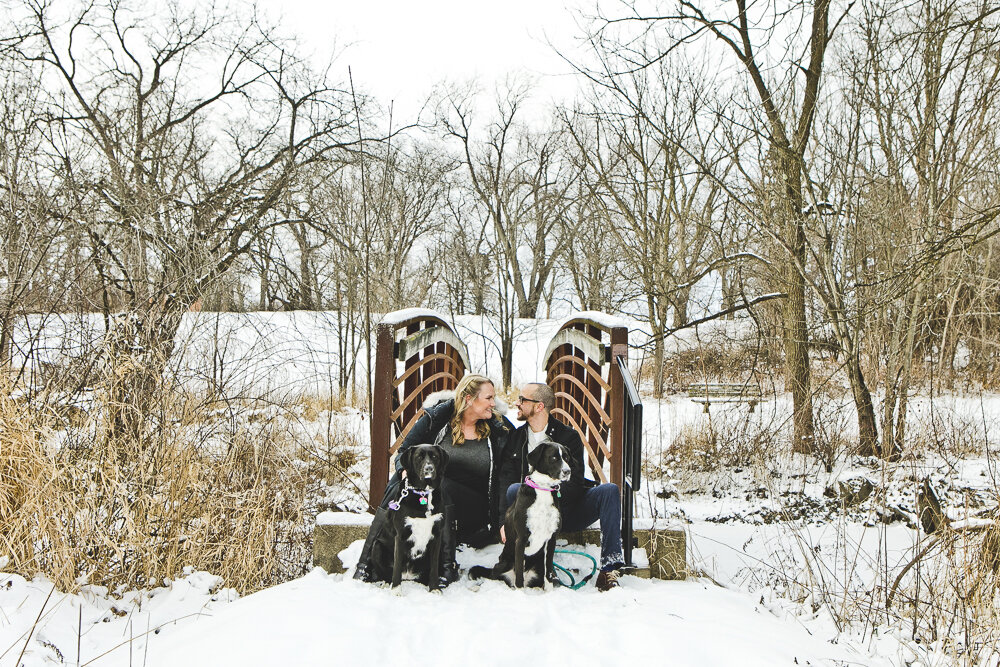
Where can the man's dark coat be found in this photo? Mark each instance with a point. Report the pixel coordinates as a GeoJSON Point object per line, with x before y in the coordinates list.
{"type": "Point", "coordinates": [514, 465]}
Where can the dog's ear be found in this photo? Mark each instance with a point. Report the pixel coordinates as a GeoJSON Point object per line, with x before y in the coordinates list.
{"type": "Point", "coordinates": [405, 456]}
{"type": "Point", "coordinates": [443, 457]}
{"type": "Point", "coordinates": [535, 454]}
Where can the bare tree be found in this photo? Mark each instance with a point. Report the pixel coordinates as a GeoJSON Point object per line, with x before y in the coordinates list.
{"type": "Point", "coordinates": [656, 170]}
{"type": "Point", "coordinates": [521, 183]}
{"type": "Point", "coordinates": [599, 275]}
{"type": "Point", "coordinates": [462, 261]}
{"type": "Point", "coordinates": [186, 129]}
{"type": "Point", "coordinates": [927, 152]}
{"type": "Point", "coordinates": [785, 89]}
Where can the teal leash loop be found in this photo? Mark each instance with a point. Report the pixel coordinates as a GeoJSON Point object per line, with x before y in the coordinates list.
{"type": "Point", "coordinates": [572, 580]}
{"type": "Point", "coordinates": [573, 584]}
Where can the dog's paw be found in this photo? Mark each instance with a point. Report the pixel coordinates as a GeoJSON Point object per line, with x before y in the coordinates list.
{"type": "Point", "coordinates": [435, 591]}
{"type": "Point", "coordinates": [398, 591]}
{"type": "Point", "coordinates": [475, 588]}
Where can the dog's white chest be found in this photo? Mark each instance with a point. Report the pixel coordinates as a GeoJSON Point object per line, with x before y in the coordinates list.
{"type": "Point", "coordinates": [421, 530]}
{"type": "Point", "coordinates": [542, 522]}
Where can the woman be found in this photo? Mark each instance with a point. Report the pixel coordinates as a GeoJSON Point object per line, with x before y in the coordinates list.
{"type": "Point", "coordinates": [474, 434]}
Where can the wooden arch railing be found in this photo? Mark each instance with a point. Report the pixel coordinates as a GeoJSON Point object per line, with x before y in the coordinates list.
{"type": "Point", "coordinates": [586, 366]}
{"type": "Point", "coordinates": [416, 354]}
{"type": "Point", "coordinates": [589, 388]}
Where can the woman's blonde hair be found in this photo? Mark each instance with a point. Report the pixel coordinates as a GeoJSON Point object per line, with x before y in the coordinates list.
{"type": "Point", "coordinates": [468, 386]}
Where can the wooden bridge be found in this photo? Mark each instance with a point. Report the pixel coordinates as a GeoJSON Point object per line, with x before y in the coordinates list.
{"type": "Point", "coordinates": [417, 353]}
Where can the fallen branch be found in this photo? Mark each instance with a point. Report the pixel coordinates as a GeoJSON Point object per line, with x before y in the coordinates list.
{"type": "Point", "coordinates": [936, 539]}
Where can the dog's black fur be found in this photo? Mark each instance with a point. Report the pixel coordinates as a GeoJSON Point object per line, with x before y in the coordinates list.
{"type": "Point", "coordinates": [415, 527]}
{"type": "Point", "coordinates": [532, 522]}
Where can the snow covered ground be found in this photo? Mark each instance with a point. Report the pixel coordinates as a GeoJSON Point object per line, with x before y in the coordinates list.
{"type": "Point", "coordinates": [747, 605]}
{"type": "Point", "coordinates": [331, 619]}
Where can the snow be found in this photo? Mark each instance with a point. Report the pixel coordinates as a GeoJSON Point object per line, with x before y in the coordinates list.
{"type": "Point", "coordinates": [113, 630]}
{"type": "Point", "coordinates": [602, 319]}
{"type": "Point", "coordinates": [332, 619]}
{"type": "Point", "coordinates": [343, 519]}
{"type": "Point", "coordinates": [346, 622]}
{"type": "Point", "coordinates": [744, 605]}
{"type": "Point", "coordinates": [398, 316]}
{"type": "Point", "coordinates": [966, 524]}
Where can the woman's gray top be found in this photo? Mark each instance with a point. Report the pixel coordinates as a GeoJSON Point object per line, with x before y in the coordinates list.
{"type": "Point", "coordinates": [469, 463]}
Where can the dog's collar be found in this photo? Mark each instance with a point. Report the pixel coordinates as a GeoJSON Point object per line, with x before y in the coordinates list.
{"type": "Point", "coordinates": [535, 485]}
{"type": "Point", "coordinates": [407, 490]}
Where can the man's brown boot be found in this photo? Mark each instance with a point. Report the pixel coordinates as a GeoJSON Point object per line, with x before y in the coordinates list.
{"type": "Point", "coordinates": [607, 580]}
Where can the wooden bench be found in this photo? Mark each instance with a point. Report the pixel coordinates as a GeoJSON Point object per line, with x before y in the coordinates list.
{"type": "Point", "coordinates": [718, 392]}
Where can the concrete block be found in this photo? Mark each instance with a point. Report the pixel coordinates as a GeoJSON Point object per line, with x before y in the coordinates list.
{"type": "Point", "coordinates": [666, 550]}
{"type": "Point", "coordinates": [334, 532]}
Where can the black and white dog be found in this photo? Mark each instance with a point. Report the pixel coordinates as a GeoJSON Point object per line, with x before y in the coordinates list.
{"type": "Point", "coordinates": [532, 522]}
{"type": "Point", "coordinates": [417, 517]}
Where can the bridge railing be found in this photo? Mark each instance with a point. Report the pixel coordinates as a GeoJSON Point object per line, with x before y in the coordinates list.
{"type": "Point", "coordinates": [416, 354]}
{"type": "Point", "coordinates": [586, 366]}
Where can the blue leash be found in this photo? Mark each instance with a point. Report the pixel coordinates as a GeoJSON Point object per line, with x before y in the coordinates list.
{"type": "Point", "coordinates": [573, 584]}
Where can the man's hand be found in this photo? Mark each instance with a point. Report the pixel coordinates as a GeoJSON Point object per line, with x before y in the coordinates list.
{"type": "Point", "coordinates": [503, 535]}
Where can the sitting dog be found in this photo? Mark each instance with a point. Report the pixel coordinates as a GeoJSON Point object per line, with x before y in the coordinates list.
{"type": "Point", "coordinates": [417, 517]}
{"type": "Point", "coordinates": [532, 522]}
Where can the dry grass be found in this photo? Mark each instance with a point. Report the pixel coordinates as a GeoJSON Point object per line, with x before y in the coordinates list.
{"type": "Point", "coordinates": [948, 597]}
{"type": "Point", "coordinates": [719, 444]}
{"type": "Point", "coordinates": [310, 407]}
{"type": "Point", "coordinates": [729, 361]}
{"type": "Point", "coordinates": [29, 477]}
{"type": "Point", "coordinates": [948, 434]}
{"type": "Point", "coordinates": [230, 496]}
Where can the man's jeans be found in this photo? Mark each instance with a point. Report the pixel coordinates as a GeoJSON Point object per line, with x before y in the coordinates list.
{"type": "Point", "coordinates": [599, 502]}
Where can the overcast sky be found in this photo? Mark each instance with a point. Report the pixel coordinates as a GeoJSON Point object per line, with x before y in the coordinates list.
{"type": "Point", "coordinates": [398, 49]}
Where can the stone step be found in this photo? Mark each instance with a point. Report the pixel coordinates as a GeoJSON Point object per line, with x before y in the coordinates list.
{"type": "Point", "coordinates": [664, 548]}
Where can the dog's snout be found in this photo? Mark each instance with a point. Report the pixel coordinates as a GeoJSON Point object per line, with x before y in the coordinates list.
{"type": "Point", "coordinates": [565, 472]}
{"type": "Point", "coordinates": [429, 469]}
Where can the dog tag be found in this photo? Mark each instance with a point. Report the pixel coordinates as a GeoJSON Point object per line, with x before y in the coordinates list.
{"type": "Point", "coordinates": [423, 501]}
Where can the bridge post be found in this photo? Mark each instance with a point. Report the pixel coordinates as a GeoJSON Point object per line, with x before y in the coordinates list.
{"type": "Point", "coordinates": [619, 348]}
{"type": "Point", "coordinates": [380, 426]}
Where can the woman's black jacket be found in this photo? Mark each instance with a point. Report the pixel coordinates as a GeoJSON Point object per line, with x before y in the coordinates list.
{"type": "Point", "coordinates": [426, 431]}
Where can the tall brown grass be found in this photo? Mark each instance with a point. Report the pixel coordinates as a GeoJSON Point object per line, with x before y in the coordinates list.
{"type": "Point", "coordinates": [228, 497]}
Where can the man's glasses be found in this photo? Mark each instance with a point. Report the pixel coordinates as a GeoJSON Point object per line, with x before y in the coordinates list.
{"type": "Point", "coordinates": [522, 399]}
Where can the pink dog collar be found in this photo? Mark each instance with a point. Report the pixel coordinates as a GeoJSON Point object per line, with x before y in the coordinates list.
{"type": "Point", "coordinates": [535, 485]}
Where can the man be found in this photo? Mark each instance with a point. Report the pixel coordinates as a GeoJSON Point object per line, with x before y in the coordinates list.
{"type": "Point", "coordinates": [582, 501]}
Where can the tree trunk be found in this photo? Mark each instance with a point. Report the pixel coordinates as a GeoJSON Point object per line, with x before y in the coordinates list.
{"type": "Point", "coordinates": [897, 379]}
{"type": "Point", "coordinates": [6, 339]}
{"type": "Point", "coordinates": [507, 359]}
{"type": "Point", "coordinates": [680, 304]}
{"type": "Point", "coordinates": [796, 341]}
{"type": "Point", "coordinates": [867, 429]}
{"type": "Point", "coordinates": [657, 319]}
{"type": "Point", "coordinates": [728, 291]}
{"type": "Point", "coordinates": [139, 346]}
{"type": "Point", "coordinates": [797, 373]}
